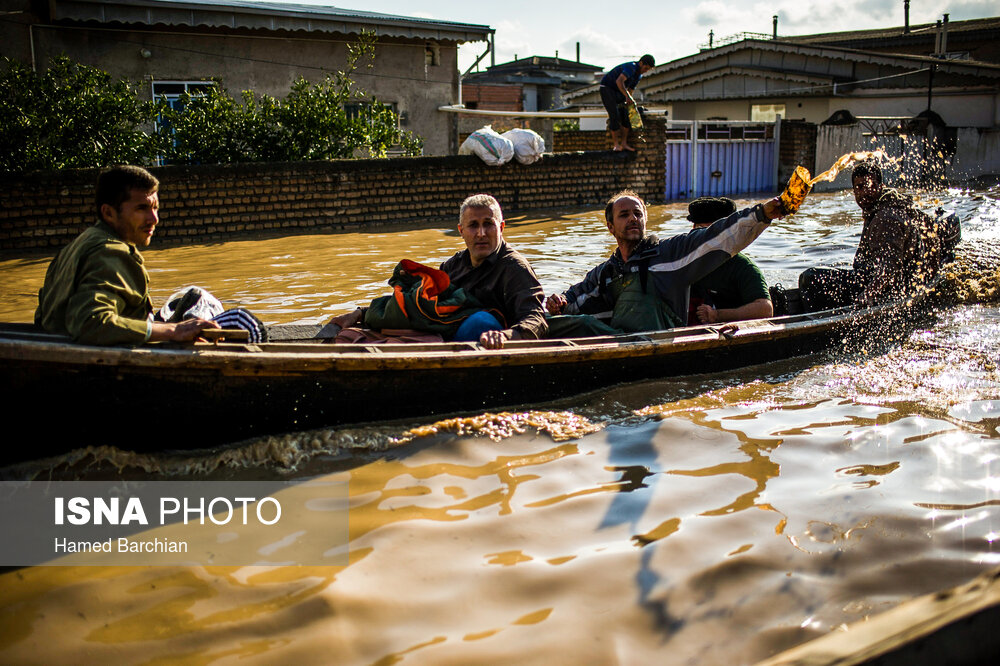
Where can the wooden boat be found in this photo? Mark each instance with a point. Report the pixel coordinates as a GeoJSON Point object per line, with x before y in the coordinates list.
{"type": "Point", "coordinates": [164, 397]}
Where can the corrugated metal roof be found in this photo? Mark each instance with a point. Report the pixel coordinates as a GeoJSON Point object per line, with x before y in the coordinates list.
{"type": "Point", "coordinates": [816, 60]}
{"type": "Point", "coordinates": [240, 14]}
{"type": "Point", "coordinates": [925, 30]}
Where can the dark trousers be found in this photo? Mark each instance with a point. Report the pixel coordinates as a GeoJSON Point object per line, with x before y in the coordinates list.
{"type": "Point", "coordinates": [614, 104]}
{"type": "Point", "coordinates": [822, 288]}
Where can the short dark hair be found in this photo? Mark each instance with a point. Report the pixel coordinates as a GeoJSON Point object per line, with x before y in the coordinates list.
{"type": "Point", "coordinates": [115, 185]}
{"type": "Point", "coordinates": [705, 210]}
{"type": "Point", "coordinates": [610, 208]}
{"type": "Point", "coordinates": [647, 60]}
{"type": "Point", "coordinates": [869, 168]}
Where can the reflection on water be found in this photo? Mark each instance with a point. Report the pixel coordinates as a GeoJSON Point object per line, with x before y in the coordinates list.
{"type": "Point", "coordinates": [708, 520]}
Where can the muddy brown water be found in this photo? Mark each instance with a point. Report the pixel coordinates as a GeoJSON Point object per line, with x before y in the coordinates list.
{"type": "Point", "coordinates": [710, 520]}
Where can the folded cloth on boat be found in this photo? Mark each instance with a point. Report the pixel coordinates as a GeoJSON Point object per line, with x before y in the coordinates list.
{"type": "Point", "coordinates": [190, 302]}
{"type": "Point", "coordinates": [197, 302]}
{"type": "Point", "coordinates": [243, 319]}
{"type": "Point", "coordinates": [423, 299]}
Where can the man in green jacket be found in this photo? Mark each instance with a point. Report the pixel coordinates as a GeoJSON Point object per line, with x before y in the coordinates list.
{"type": "Point", "coordinates": [96, 289]}
{"type": "Point", "coordinates": [736, 290]}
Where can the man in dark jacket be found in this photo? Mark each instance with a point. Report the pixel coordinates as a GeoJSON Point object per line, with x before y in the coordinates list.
{"type": "Point", "coordinates": [497, 275]}
{"type": "Point", "coordinates": [494, 274]}
{"type": "Point", "coordinates": [899, 249]}
{"type": "Point", "coordinates": [644, 285]}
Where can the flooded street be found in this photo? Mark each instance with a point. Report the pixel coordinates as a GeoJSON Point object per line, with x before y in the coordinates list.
{"type": "Point", "coordinates": [716, 519]}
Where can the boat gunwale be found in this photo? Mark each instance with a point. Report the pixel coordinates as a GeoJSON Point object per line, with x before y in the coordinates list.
{"type": "Point", "coordinates": [311, 357]}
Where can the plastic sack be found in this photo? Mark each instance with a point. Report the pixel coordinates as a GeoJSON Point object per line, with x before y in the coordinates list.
{"type": "Point", "coordinates": [528, 144]}
{"type": "Point", "coordinates": [634, 117]}
{"type": "Point", "coordinates": [190, 302]}
{"type": "Point", "coordinates": [489, 146]}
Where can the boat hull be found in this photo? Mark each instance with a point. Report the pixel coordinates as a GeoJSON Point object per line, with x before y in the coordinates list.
{"type": "Point", "coordinates": [199, 396]}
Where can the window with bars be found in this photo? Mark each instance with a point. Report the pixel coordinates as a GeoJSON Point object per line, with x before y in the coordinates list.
{"type": "Point", "coordinates": [171, 92]}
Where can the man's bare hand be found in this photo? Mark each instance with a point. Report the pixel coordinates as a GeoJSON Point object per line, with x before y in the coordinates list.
{"type": "Point", "coordinates": [184, 331]}
{"type": "Point", "coordinates": [707, 314]}
{"type": "Point", "coordinates": [348, 319]}
{"type": "Point", "coordinates": [492, 339]}
{"type": "Point", "coordinates": [555, 303]}
{"type": "Point", "coordinates": [772, 208]}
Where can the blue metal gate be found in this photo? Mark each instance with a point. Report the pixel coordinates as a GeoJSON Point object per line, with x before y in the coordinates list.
{"type": "Point", "coordinates": [720, 158]}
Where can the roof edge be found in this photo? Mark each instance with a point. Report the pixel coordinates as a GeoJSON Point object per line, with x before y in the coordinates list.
{"type": "Point", "coordinates": [242, 14]}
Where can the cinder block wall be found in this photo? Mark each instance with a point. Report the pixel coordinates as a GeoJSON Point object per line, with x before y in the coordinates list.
{"type": "Point", "coordinates": [798, 147]}
{"type": "Point", "coordinates": [44, 211]}
{"type": "Point", "coordinates": [572, 140]}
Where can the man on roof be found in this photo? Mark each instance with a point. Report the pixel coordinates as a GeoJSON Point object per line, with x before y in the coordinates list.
{"type": "Point", "coordinates": [644, 285]}
{"type": "Point", "coordinates": [498, 279]}
{"type": "Point", "coordinates": [736, 290]}
{"type": "Point", "coordinates": [96, 290]}
{"type": "Point", "coordinates": [616, 89]}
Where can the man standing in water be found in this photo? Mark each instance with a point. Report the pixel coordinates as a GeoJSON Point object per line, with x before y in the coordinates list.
{"type": "Point", "coordinates": [900, 248]}
{"type": "Point", "coordinates": [96, 290]}
{"type": "Point", "coordinates": [617, 87]}
{"type": "Point", "coordinates": [644, 285]}
{"type": "Point", "coordinates": [496, 275]}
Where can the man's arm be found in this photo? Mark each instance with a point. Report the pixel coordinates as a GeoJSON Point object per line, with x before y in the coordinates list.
{"type": "Point", "coordinates": [758, 309]}
{"type": "Point", "coordinates": [743, 276]}
{"type": "Point", "coordinates": [109, 305]}
{"type": "Point", "coordinates": [623, 90]}
{"type": "Point", "coordinates": [692, 256]}
{"type": "Point", "coordinates": [523, 296]}
{"type": "Point", "coordinates": [583, 297]}
{"type": "Point", "coordinates": [183, 331]}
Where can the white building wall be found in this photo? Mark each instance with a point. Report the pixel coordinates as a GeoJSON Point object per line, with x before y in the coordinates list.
{"type": "Point", "coordinates": [969, 110]}
{"type": "Point", "coordinates": [977, 152]}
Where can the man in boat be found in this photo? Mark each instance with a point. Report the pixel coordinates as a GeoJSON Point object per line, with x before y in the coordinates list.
{"type": "Point", "coordinates": [645, 284]}
{"type": "Point", "coordinates": [736, 290]}
{"type": "Point", "coordinates": [901, 247]}
{"type": "Point", "coordinates": [96, 290]}
{"type": "Point", "coordinates": [616, 88]}
{"type": "Point", "coordinates": [494, 274]}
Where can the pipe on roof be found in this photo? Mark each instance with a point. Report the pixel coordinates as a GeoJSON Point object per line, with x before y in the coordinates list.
{"type": "Point", "coordinates": [459, 108]}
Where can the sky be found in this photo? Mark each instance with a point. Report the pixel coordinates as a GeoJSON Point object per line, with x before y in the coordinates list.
{"type": "Point", "coordinates": [667, 29]}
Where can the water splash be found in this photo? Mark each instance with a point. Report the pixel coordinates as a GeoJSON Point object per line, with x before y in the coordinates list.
{"type": "Point", "coordinates": [847, 160]}
{"type": "Point", "coordinates": [560, 426]}
{"type": "Point", "coordinates": [293, 452]}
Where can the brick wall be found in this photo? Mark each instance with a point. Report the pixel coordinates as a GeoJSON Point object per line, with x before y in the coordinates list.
{"type": "Point", "coordinates": [44, 211]}
{"type": "Point", "coordinates": [497, 98]}
{"type": "Point", "coordinates": [572, 140]}
{"type": "Point", "coordinates": [798, 147]}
